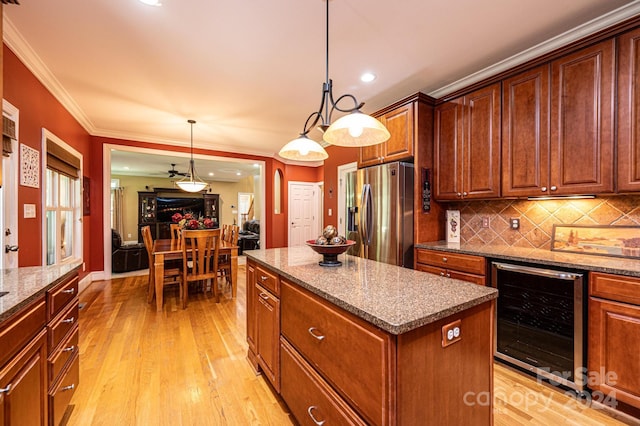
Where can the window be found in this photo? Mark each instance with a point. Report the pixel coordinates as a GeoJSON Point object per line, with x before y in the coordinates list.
{"type": "Point", "coordinates": [278, 181]}
{"type": "Point", "coordinates": [62, 202]}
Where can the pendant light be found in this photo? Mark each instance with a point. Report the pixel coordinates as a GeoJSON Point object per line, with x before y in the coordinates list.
{"type": "Point", "coordinates": [352, 130]}
{"type": "Point", "coordinates": [191, 182]}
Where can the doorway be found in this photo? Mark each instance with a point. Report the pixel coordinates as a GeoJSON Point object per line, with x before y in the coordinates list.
{"type": "Point", "coordinates": [9, 195]}
{"type": "Point", "coordinates": [304, 212]}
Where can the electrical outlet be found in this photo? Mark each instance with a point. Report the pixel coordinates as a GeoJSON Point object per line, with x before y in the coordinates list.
{"type": "Point", "coordinates": [485, 221]}
{"type": "Point", "coordinates": [451, 333]}
{"type": "Point", "coordinates": [515, 223]}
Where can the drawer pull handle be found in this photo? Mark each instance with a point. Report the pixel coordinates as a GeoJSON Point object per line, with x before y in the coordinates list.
{"type": "Point", "coordinates": [69, 320]}
{"type": "Point", "coordinates": [309, 411]}
{"type": "Point", "coordinates": [312, 331]}
{"type": "Point", "coordinates": [66, 388]}
{"type": "Point", "coordinates": [263, 278]}
{"type": "Point", "coordinates": [69, 291]}
{"type": "Point", "coordinates": [442, 274]}
{"type": "Point", "coordinates": [5, 390]}
{"type": "Point", "coordinates": [448, 275]}
{"type": "Point", "coordinates": [69, 349]}
{"type": "Point", "coordinates": [264, 296]}
{"type": "Point", "coordinates": [444, 259]}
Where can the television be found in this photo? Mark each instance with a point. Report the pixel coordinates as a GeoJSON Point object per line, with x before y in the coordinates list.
{"type": "Point", "coordinates": [167, 207]}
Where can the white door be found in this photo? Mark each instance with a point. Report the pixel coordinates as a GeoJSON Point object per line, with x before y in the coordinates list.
{"type": "Point", "coordinates": [9, 197]}
{"type": "Point", "coordinates": [342, 195]}
{"type": "Point", "coordinates": [303, 213]}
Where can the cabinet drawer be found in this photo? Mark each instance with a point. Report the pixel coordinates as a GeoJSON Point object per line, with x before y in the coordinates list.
{"type": "Point", "coordinates": [268, 280]}
{"type": "Point", "coordinates": [60, 296]}
{"type": "Point", "coordinates": [615, 287]}
{"type": "Point", "coordinates": [310, 399]}
{"type": "Point", "coordinates": [17, 331]}
{"type": "Point", "coordinates": [60, 395]}
{"type": "Point", "coordinates": [62, 325]}
{"type": "Point", "coordinates": [456, 261]}
{"type": "Point", "coordinates": [59, 358]}
{"type": "Point", "coordinates": [353, 356]}
{"type": "Point", "coordinates": [463, 276]}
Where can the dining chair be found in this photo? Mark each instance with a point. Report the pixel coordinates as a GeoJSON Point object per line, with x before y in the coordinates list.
{"type": "Point", "coordinates": [224, 261]}
{"type": "Point", "coordinates": [171, 275]}
{"type": "Point", "coordinates": [175, 231]}
{"type": "Point", "coordinates": [199, 259]}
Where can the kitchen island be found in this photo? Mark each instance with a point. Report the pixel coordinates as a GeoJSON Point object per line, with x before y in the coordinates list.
{"type": "Point", "coordinates": [370, 343]}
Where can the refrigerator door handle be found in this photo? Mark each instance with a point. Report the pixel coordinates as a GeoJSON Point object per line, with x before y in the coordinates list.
{"type": "Point", "coordinates": [366, 215]}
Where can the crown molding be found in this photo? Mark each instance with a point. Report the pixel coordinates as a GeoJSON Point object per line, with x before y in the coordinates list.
{"type": "Point", "coordinates": [18, 45]}
{"type": "Point", "coordinates": [625, 12]}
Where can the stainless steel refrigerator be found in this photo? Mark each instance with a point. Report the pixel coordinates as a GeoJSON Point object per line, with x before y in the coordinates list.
{"type": "Point", "coordinates": [379, 213]}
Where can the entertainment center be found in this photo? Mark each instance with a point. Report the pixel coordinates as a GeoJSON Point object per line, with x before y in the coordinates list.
{"type": "Point", "coordinates": [155, 209]}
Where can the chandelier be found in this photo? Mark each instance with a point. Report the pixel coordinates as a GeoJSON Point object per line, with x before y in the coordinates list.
{"type": "Point", "coordinates": [191, 182]}
{"type": "Point", "coordinates": [354, 129]}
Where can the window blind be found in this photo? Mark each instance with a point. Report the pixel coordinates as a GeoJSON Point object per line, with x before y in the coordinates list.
{"type": "Point", "coordinates": [61, 160]}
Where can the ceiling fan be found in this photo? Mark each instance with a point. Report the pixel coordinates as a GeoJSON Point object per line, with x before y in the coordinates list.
{"type": "Point", "coordinates": [173, 172]}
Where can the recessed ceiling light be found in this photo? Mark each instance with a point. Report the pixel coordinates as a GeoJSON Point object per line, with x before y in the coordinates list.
{"type": "Point", "coordinates": [238, 174]}
{"type": "Point", "coordinates": [367, 77]}
{"type": "Point", "coordinates": [210, 173]}
{"type": "Point", "coordinates": [152, 2]}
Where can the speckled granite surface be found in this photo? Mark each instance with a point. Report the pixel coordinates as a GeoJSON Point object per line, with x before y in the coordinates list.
{"type": "Point", "coordinates": [394, 299]}
{"type": "Point", "coordinates": [611, 265]}
{"type": "Point", "coordinates": [29, 283]}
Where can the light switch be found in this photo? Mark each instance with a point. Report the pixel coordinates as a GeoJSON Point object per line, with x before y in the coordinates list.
{"type": "Point", "coordinates": [29, 211]}
{"type": "Point", "coordinates": [330, 212]}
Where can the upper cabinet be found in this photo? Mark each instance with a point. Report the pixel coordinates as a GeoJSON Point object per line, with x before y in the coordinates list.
{"type": "Point", "coordinates": [629, 112]}
{"type": "Point", "coordinates": [467, 146]}
{"type": "Point", "coordinates": [582, 137]}
{"type": "Point", "coordinates": [400, 146]}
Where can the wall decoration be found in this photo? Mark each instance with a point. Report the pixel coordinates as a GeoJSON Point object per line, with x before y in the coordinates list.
{"type": "Point", "coordinates": [604, 240]}
{"type": "Point", "coordinates": [453, 226]}
{"type": "Point", "coordinates": [29, 166]}
{"type": "Point", "coordinates": [86, 206]}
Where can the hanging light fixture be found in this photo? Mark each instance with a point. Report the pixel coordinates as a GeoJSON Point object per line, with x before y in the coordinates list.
{"type": "Point", "coordinates": [352, 130]}
{"type": "Point", "coordinates": [191, 182]}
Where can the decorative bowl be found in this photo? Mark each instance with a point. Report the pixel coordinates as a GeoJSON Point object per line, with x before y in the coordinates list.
{"type": "Point", "coordinates": [330, 252]}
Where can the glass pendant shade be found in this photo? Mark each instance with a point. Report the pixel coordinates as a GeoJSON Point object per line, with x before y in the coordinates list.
{"type": "Point", "coordinates": [303, 149]}
{"type": "Point", "coordinates": [356, 129]}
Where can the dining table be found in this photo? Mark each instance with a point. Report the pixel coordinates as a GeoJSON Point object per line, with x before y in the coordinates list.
{"type": "Point", "coordinates": [171, 249]}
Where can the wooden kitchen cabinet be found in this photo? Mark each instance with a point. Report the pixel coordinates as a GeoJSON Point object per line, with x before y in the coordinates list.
{"type": "Point", "coordinates": [263, 322]}
{"type": "Point", "coordinates": [582, 137]}
{"type": "Point", "coordinates": [452, 265]}
{"type": "Point", "coordinates": [467, 146]}
{"type": "Point", "coordinates": [628, 112]}
{"type": "Point", "coordinates": [614, 337]}
{"type": "Point", "coordinates": [400, 146]}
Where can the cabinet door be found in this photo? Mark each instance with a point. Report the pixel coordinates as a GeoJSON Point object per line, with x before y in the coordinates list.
{"type": "Point", "coordinates": [582, 94]}
{"type": "Point", "coordinates": [448, 151]}
{"type": "Point", "coordinates": [399, 122]}
{"type": "Point", "coordinates": [629, 112]}
{"type": "Point", "coordinates": [23, 385]}
{"type": "Point", "coordinates": [481, 142]}
{"type": "Point", "coordinates": [370, 155]}
{"type": "Point", "coordinates": [251, 307]}
{"type": "Point", "coordinates": [211, 204]}
{"type": "Point", "coordinates": [146, 207]}
{"type": "Point", "coordinates": [268, 339]}
{"type": "Point", "coordinates": [525, 134]}
{"type": "Point", "coordinates": [614, 350]}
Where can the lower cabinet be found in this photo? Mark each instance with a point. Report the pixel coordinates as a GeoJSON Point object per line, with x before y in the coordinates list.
{"type": "Point", "coordinates": [614, 337]}
{"type": "Point", "coordinates": [23, 384]}
{"type": "Point", "coordinates": [459, 266]}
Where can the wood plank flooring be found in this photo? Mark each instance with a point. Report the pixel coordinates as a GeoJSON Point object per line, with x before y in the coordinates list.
{"type": "Point", "coordinates": [189, 367]}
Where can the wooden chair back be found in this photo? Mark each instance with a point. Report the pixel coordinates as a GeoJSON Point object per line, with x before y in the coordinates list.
{"type": "Point", "coordinates": [235, 233]}
{"type": "Point", "coordinates": [175, 231]}
{"type": "Point", "coordinates": [148, 244]}
{"type": "Point", "coordinates": [200, 250]}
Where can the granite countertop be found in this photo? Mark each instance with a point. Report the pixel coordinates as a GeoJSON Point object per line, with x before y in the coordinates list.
{"type": "Point", "coordinates": [27, 284]}
{"type": "Point", "coordinates": [607, 264]}
{"type": "Point", "coordinates": [392, 298]}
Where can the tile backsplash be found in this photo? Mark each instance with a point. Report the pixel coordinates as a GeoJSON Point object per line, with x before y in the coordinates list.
{"type": "Point", "coordinates": [538, 217]}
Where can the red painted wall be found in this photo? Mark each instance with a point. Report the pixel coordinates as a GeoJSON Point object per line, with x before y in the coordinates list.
{"type": "Point", "coordinates": [38, 110]}
{"type": "Point", "coordinates": [338, 156]}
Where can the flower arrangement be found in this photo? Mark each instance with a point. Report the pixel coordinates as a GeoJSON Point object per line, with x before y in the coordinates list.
{"type": "Point", "coordinates": [189, 221]}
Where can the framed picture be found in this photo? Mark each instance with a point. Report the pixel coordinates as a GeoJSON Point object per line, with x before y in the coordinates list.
{"type": "Point", "coordinates": [29, 166]}
{"type": "Point", "coordinates": [86, 206]}
{"type": "Point", "coordinates": [453, 226]}
{"type": "Point", "coordinates": [601, 240]}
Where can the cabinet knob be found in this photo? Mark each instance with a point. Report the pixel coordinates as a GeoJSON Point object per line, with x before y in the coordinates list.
{"type": "Point", "coordinates": [464, 194]}
{"type": "Point", "coordinates": [459, 195]}
{"type": "Point", "coordinates": [448, 275]}
{"type": "Point", "coordinates": [263, 278]}
{"type": "Point", "coordinates": [543, 189]}
{"type": "Point", "coordinates": [553, 188]}
{"type": "Point", "coordinates": [444, 259]}
{"type": "Point", "coordinates": [442, 274]}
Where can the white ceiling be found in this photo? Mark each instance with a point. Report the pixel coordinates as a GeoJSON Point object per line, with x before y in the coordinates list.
{"type": "Point", "coordinates": [251, 71]}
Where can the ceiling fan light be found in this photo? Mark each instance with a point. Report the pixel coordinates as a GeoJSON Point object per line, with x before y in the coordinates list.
{"type": "Point", "coordinates": [356, 129]}
{"type": "Point", "coordinates": [303, 149]}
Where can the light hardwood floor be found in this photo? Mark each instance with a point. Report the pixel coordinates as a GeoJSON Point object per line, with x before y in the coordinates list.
{"type": "Point", "coordinates": [189, 367]}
